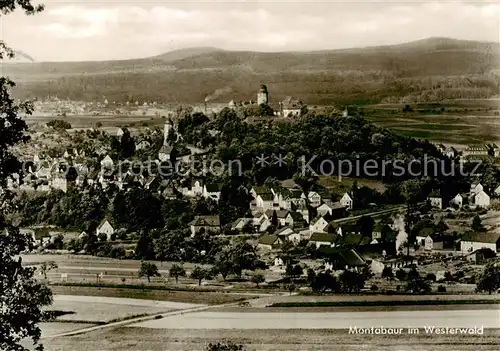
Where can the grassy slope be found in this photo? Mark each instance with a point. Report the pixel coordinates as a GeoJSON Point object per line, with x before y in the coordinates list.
{"type": "Point", "coordinates": [355, 75]}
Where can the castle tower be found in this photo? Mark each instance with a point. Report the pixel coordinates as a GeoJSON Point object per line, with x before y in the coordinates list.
{"type": "Point", "coordinates": [262, 96]}
{"type": "Point", "coordinates": [166, 131]}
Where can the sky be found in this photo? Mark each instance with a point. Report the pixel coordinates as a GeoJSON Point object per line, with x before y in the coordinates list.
{"type": "Point", "coordinates": [108, 30]}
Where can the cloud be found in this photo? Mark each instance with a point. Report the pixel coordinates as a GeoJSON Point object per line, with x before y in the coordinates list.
{"type": "Point", "coordinates": [123, 29]}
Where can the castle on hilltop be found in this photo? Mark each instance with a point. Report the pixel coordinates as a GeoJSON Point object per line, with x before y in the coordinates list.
{"type": "Point", "coordinates": [290, 107]}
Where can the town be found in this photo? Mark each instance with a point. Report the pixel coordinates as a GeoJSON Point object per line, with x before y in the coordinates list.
{"type": "Point", "coordinates": [133, 203]}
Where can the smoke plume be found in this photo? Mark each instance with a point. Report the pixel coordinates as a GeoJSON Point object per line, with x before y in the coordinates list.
{"type": "Point", "coordinates": [218, 93]}
{"type": "Point", "coordinates": [402, 236]}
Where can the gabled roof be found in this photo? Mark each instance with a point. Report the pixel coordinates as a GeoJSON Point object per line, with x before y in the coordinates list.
{"type": "Point", "coordinates": [291, 102]}
{"type": "Point", "coordinates": [213, 188]}
{"type": "Point", "coordinates": [282, 230]}
{"type": "Point", "coordinates": [104, 221]}
{"type": "Point", "coordinates": [435, 193]}
{"type": "Point", "coordinates": [296, 216]}
{"type": "Point", "coordinates": [268, 239]}
{"type": "Point", "coordinates": [260, 190]}
{"type": "Point", "coordinates": [266, 196]}
{"type": "Point", "coordinates": [324, 237]}
{"type": "Point", "coordinates": [206, 221]}
{"type": "Point", "coordinates": [487, 237]}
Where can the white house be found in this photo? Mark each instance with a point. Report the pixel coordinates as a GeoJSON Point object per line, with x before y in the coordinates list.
{"type": "Point", "coordinates": [59, 183]}
{"type": "Point", "coordinates": [318, 225]}
{"type": "Point", "coordinates": [475, 188]}
{"type": "Point", "coordinates": [497, 191]}
{"type": "Point", "coordinates": [120, 132]}
{"type": "Point", "coordinates": [196, 189]}
{"type": "Point", "coordinates": [264, 202]}
{"type": "Point", "coordinates": [314, 199]}
{"type": "Point", "coordinates": [323, 239]}
{"type": "Point", "coordinates": [212, 191]}
{"type": "Point", "coordinates": [481, 199]}
{"type": "Point", "coordinates": [105, 228]}
{"type": "Point", "coordinates": [107, 162]}
{"type": "Point", "coordinates": [458, 201]}
{"type": "Point", "coordinates": [347, 201]}
{"type": "Point", "coordinates": [269, 242]}
{"type": "Point", "coordinates": [471, 242]}
{"type": "Point", "coordinates": [435, 199]}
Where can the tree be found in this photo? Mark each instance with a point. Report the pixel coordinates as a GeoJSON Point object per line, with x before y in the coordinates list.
{"type": "Point", "coordinates": [291, 288]}
{"type": "Point", "coordinates": [149, 270]}
{"type": "Point", "coordinates": [258, 278]}
{"type": "Point", "coordinates": [177, 271]}
{"type": "Point", "coordinates": [22, 297]}
{"type": "Point", "coordinates": [200, 273]}
{"type": "Point", "coordinates": [401, 274]}
{"type": "Point", "coordinates": [224, 346]}
{"type": "Point", "coordinates": [47, 266]}
{"type": "Point", "coordinates": [489, 280]}
{"type": "Point", "coordinates": [310, 275]}
{"type": "Point", "coordinates": [387, 273]}
{"type": "Point", "coordinates": [477, 224]}
{"type": "Point", "coordinates": [351, 281]}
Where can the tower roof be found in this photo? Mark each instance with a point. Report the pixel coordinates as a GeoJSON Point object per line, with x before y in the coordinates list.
{"type": "Point", "coordinates": [263, 88]}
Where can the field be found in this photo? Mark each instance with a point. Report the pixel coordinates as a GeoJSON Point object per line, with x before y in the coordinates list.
{"type": "Point", "coordinates": [97, 309]}
{"type": "Point", "coordinates": [462, 122]}
{"type": "Point", "coordinates": [192, 297]}
{"type": "Point", "coordinates": [142, 339]}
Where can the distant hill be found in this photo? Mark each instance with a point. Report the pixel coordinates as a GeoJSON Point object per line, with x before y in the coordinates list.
{"type": "Point", "coordinates": [425, 70]}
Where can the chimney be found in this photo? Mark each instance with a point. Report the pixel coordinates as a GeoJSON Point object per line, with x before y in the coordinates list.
{"type": "Point", "coordinates": [205, 107]}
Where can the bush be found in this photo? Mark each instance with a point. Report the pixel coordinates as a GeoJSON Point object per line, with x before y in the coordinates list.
{"type": "Point", "coordinates": [431, 277]}
{"type": "Point", "coordinates": [374, 288]}
{"type": "Point", "coordinates": [441, 289]}
{"type": "Point", "coordinates": [59, 124]}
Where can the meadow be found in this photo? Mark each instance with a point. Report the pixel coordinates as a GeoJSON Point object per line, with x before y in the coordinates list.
{"type": "Point", "coordinates": [143, 339]}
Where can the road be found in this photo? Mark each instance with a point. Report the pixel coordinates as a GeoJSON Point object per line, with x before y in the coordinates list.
{"type": "Point", "coordinates": [489, 317]}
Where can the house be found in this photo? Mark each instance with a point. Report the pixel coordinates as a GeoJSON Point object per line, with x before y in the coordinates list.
{"type": "Point", "coordinates": [318, 225]}
{"type": "Point", "coordinates": [457, 201]}
{"type": "Point", "coordinates": [449, 152]}
{"type": "Point", "coordinates": [323, 239]}
{"type": "Point", "coordinates": [349, 259]}
{"type": "Point", "coordinates": [494, 150]}
{"type": "Point", "coordinates": [336, 209]}
{"type": "Point", "coordinates": [143, 145]}
{"type": "Point", "coordinates": [473, 241]}
{"type": "Point", "coordinates": [288, 234]}
{"type": "Point", "coordinates": [264, 202]}
{"type": "Point", "coordinates": [205, 223]}
{"type": "Point", "coordinates": [295, 219]}
{"type": "Point", "coordinates": [107, 162]}
{"type": "Point", "coordinates": [212, 191]}
{"type": "Point", "coordinates": [283, 217]}
{"type": "Point", "coordinates": [435, 199]}
{"type": "Point", "coordinates": [379, 230]}
{"type": "Point", "coordinates": [476, 187]}
{"type": "Point", "coordinates": [347, 201]}
{"type": "Point", "coordinates": [291, 107]}
{"type": "Point", "coordinates": [481, 256]}
{"type": "Point", "coordinates": [481, 199]}
{"type": "Point", "coordinates": [439, 242]}
{"type": "Point", "coordinates": [497, 191]}
{"type": "Point", "coordinates": [241, 223]}
{"type": "Point", "coordinates": [120, 132]}
{"type": "Point", "coordinates": [269, 242]}
{"type": "Point", "coordinates": [350, 228]}
{"type": "Point", "coordinates": [70, 153]}
{"type": "Point", "coordinates": [105, 228]}
{"type": "Point", "coordinates": [196, 189]}
{"type": "Point", "coordinates": [314, 199]}
{"type": "Point", "coordinates": [60, 183]}
{"type": "Point", "coordinates": [475, 150]}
